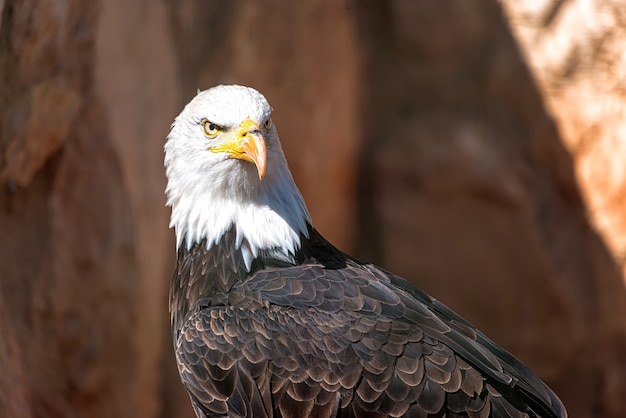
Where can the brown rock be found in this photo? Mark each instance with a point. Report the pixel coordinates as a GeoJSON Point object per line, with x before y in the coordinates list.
{"type": "Point", "coordinates": [575, 50]}
{"type": "Point", "coordinates": [135, 79]}
{"type": "Point", "coordinates": [14, 391]}
{"type": "Point", "coordinates": [69, 280]}
{"type": "Point", "coordinates": [53, 110]}
{"type": "Point", "coordinates": [81, 340]}
{"type": "Point", "coordinates": [576, 53]}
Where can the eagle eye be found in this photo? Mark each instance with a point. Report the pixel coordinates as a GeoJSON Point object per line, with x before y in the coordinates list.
{"type": "Point", "coordinates": [268, 123]}
{"type": "Point", "coordinates": [210, 129]}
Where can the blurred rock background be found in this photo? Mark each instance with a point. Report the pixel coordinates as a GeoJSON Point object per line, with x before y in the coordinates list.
{"type": "Point", "coordinates": [476, 147]}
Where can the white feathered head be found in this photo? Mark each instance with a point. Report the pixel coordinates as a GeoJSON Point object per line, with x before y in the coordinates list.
{"type": "Point", "coordinates": [226, 168]}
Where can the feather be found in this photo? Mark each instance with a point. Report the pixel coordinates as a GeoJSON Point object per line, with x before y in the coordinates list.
{"type": "Point", "coordinates": [432, 397]}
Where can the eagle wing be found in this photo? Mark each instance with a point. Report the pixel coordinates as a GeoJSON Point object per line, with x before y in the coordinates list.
{"type": "Point", "coordinates": [350, 340]}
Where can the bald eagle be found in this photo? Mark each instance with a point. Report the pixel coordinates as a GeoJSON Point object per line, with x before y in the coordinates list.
{"type": "Point", "coordinates": [270, 320]}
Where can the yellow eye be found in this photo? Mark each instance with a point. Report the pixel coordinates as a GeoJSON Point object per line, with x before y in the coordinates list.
{"type": "Point", "coordinates": [267, 124]}
{"type": "Point", "coordinates": [210, 129]}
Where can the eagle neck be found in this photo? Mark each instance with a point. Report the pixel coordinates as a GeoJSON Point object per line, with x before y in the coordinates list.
{"type": "Point", "coordinates": [270, 218]}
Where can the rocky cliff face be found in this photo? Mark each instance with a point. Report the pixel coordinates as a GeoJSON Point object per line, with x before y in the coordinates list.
{"type": "Point", "coordinates": [68, 271]}
{"type": "Point", "coordinates": [473, 147]}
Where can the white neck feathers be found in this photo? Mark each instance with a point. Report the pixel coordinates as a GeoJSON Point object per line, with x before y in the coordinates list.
{"type": "Point", "coordinates": [272, 219]}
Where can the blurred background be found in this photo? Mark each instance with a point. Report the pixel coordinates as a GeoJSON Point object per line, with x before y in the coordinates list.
{"type": "Point", "coordinates": [477, 148]}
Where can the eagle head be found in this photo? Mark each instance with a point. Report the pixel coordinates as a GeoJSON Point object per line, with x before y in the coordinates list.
{"type": "Point", "coordinates": [226, 169]}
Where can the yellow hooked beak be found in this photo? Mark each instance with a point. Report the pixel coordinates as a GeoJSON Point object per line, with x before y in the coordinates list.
{"type": "Point", "coordinates": [246, 143]}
